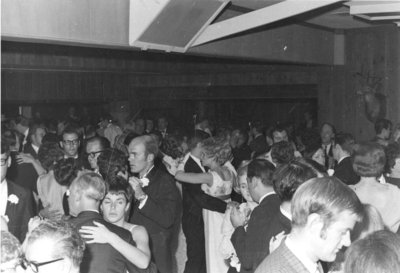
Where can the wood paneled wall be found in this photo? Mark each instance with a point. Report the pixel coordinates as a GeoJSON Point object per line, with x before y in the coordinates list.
{"type": "Point", "coordinates": [374, 52]}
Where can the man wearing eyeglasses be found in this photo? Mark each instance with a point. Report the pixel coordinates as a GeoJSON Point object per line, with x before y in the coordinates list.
{"type": "Point", "coordinates": [16, 202]}
{"type": "Point", "coordinates": [53, 246]}
{"type": "Point", "coordinates": [94, 147]}
{"type": "Point", "coordinates": [70, 143]}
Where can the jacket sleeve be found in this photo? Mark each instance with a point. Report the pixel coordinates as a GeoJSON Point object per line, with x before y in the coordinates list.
{"type": "Point", "coordinates": [162, 207]}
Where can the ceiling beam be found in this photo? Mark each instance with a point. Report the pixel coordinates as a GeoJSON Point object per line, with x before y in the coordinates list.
{"type": "Point", "coordinates": [258, 18]}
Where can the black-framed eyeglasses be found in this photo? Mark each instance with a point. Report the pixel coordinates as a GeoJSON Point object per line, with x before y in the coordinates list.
{"type": "Point", "coordinates": [3, 161]}
{"type": "Point", "coordinates": [74, 142]}
{"type": "Point", "coordinates": [35, 266]}
{"type": "Point", "coordinates": [93, 154]}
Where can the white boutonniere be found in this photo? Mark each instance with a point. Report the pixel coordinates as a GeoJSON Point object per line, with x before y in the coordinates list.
{"type": "Point", "coordinates": [144, 182]}
{"type": "Point", "coordinates": [5, 217]}
{"type": "Point", "coordinates": [13, 199]}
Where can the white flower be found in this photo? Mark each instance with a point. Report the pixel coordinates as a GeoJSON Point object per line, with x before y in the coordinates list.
{"type": "Point", "coordinates": [13, 199]}
{"type": "Point", "coordinates": [5, 217]}
{"type": "Point", "coordinates": [144, 182]}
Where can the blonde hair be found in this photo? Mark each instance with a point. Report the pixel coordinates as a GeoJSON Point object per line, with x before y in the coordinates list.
{"type": "Point", "coordinates": [217, 148]}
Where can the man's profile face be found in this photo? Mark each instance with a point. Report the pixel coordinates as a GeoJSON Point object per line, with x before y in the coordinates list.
{"type": "Point", "coordinates": [38, 136]}
{"type": "Point", "coordinates": [73, 202]}
{"type": "Point", "coordinates": [70, 144]}
{"type": "Point", "coordinates": [137, 156]}
{"type": "Point", "coordinates": [336, 236]}
{"type": "Point", "coordinates": [279, 136]}
{"type": "Point", "coordinates": [5, 163]}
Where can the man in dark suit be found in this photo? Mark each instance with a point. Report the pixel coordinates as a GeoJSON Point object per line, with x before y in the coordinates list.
{"type": "Point", "coordinates": [327, 134]}
{"type": "Point", "coordinates": [35, 136]}
{"type": "Point", "coordinates": [86, 193]}
{"type": "Point", "coordinates": [16, 203]}
{"type": "Point", "coordinates": [342, 151]}
{"type": "Point", "coordinates": [250, 245]}
{"type": "Point", "coordinates": [287, 179]}
{"type": "Point", "coordinates": [194, 201]}
{"type": "Point", "coordinates": [158, 203]}
{"type": "Point", "coordinates": [324, 211]}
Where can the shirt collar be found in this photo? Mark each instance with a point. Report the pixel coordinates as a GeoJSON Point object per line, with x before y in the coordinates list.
{"type": "Point", "coordinates": [36, 148]}
{"type": "Point", "coordinates": [341, 159]}
{"type": "Point", "coordinates": [285, 213]}
{"type": "Point", "coordinates": [297, 251]}
{"type": "Point", "coordinates": [265, 195]}
{"type": "Point", "coordinates": [74, 157]}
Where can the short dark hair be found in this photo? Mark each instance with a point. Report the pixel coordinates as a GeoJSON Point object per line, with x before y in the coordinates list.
{"type": "Point", "coordinates": [70, 130]}
{"type": "Point", "coordinates": [65, 171]}
{"type": "Point", "coordinates": [345, 141]}
{"type": "Point", "coordinates": [103, 142]}
{"type": "Point", "coordinates": [282, 152]}
{"type": "Point", "coordinates": [110, 162]}
{"type": "Point", "coordinates": [378, 252]}
{"type": "Point", "coordinates": [392, 153]}
{"type": "Point", "coordinates": [170, 146]}
{"type": "Point", "coordinates": [277, 128]}
{"type": "Point", "coordinates": [381, 124]}
{"type": "Point", "coordinates": [327, 197]}
{"type": "Point", "coordinates": [69, 243]}
{"type": "Point", "coordinates": [196, 139]}
{"type": "Point", "coordinates": [262, 169]}
{"type": "Point", "coordinates": [121, 186]}
{"type": "Point", "coordinates": [49, 153]}
{"type": "Point", "coordinates": [288, 177]}
{"type": "Point", "coordinates": [369, 159]}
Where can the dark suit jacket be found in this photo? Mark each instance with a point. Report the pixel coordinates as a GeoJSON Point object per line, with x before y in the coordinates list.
{"type": "Point", "coordinates": [344, 171]}
{"type": "Point", "coordinates": [103, 258]}
{"type": "Point", "coordinates": [194, 198]}
{"type": "Point", "coordinates": [282, 260]}
{"type": "Point", "coordinates": [278, 223]}
{"type": "Point", "coordinates": [28, 149]}
{"type": "Point", "coordinates": [160, 216]}
{"type": "Point", "coordinates": [23, 174]}
{"type": "Point", "coordinates": [20, 213]}
{"type": "Point", "coordinates": [252, 246]}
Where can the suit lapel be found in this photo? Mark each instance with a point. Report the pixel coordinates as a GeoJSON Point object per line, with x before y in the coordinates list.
{"type": "Point", "coordinates": [10, 207]}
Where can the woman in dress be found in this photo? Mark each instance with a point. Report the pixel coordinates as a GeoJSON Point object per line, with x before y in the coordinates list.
{"type": "Point", "coordinates": [216, 182]}
{"type": "Point", "coordinates": [369, 161]}
{"type": "Point", "coordinates": [114, 207]}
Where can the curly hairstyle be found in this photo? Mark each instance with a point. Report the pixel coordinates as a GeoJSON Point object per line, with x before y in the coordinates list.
{"type": "Point", "coordinates": [110, 162]}
{"type": "Point", "coordinates": [68, 242]}
{"type": "Point", "coordinates": [49, 153]}
{"type": "Point", "coordinates": [392, 153]}
{"type": "Point", "coordinates": [65, 171]}
{"type": "Point", "coordinates": [170, 146]}
{"type": "Point", "coordinates": [217, 148]}
{"type": "Point", "coordinates": [288, 177]}
{"type": "Point", "coordinates": [282, 152]}
{"type": "Point", "coordinates": [121, 186]}
{"type": "Point", "coordinates": [369, 159]}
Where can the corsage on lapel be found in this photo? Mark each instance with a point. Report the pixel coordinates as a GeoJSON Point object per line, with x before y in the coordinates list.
{"type": "Point", "coordinates": [13, 199]}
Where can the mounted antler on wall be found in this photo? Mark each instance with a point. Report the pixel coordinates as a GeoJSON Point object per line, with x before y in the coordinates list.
{"type": "Point", "coordinates": [375, 101]}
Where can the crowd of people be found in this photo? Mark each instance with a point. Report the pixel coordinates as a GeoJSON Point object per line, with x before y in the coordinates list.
{"type": "Point", "coordinates": [137, 195]}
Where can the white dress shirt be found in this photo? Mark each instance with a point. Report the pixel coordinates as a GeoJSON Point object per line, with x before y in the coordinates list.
{"type": "Point", "coordinates": [3, 197]}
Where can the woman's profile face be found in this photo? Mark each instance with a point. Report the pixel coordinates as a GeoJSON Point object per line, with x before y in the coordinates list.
{"type": "Point", "coordinates": [114, 207]}
{"type": "Point", "coordinates": [244, 188]}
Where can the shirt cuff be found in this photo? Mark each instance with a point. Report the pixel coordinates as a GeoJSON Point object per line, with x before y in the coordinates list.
{"type": "Point", "coordinates": [143, 202]}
